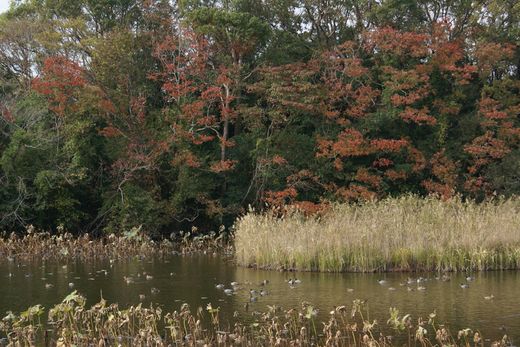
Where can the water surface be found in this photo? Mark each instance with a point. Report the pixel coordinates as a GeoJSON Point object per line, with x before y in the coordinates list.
{"type": "Point", "coordinates": [192, 279]}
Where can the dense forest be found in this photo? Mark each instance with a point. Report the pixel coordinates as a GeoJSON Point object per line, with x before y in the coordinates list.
{"type": "Point", "coordinates": [121, 113]}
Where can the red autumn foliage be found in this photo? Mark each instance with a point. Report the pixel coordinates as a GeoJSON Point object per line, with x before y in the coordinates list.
{"type": "Point", "coordinates": [222, 166]}
{"type": "Point", "coordinates": [420, 117]}
{"type": "Point", "coordinates": [110, 131]}
{"type": "Point", "coordinates": [279, 160]}
{"type": "Point", "coordinates": [394, 175]}
{"type": "Point", "coordinates": [61, 80]}
{"type": "Point", "coordinates": [382, 163]}
{"type": "Point", "coordinates": [355, 192]}
{"type": "Point", "coordinates": [364, 176]}
{"type": "Point", "coordinates": [6, 114]}
{"type": "Point", "coordinates": [444, 171]}
{"type": "Point", "coordinates": [388, 145]}
{"type": "Point", "coordinates": [398, 43]}
{"type": "Point", "coordinates": [280, 198]}
{"type": "Point", "coordinates": [309, 208]}
{"type": "Point", "coordinates": [487, 147]}
{"type": "Point", "coordinates": [490, 55]}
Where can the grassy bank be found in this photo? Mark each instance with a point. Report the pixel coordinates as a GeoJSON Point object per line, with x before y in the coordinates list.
{"type": "Point", "coordinates": [399, 234]}
{"type": "Point", "coordinates": [71, 323]}
{"type": "Point", "coordinates": [41, 246]}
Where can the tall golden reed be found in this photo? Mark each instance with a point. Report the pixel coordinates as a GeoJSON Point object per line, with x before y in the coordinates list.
{"type": "Point", "coordinates": [408, 233]}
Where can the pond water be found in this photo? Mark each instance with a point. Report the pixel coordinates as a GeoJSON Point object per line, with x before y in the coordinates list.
{"type": "Point", "coordinates": [192, 279]}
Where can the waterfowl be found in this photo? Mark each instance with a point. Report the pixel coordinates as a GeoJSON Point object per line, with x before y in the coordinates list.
{"type": "Point", "coordinates": [350, 290]}
{"type": "Point", "coordinates": [149, 277]}
{"type": "Point", "coordinates": [489, 297]}
{"type": "Point", "coordinates": [71, 285]}
{"type": "Point", "coordinates": [128, 280]}
{"type": "Point", "coordinates": [253, 298]}
{"type": "Point", "coordinates": [381, 281]}
{"type": "Point", "coordinates": [410, 289]}
{"type": "Point", "coordinates": [264, 282]}
{"type": "Point", "coordinates": [464, 285]}
{"type": "Point", "coordinates": [470, 278]}
{"type": "Point", "coordinates": [234, 284]}
{"type": "Point", "coordinates": [294, 281]}
{"type": "Point", "coordinates": [219, 286]}
{"type": "Point", "coordinates": [252, 291]}
{"type": "Point", "coordinates": [228, 291]}
{"type": "Point", "coordinates": [264, 292]}
{"type": "Point", "coordinates": [142, 297]}
{"type": "Point", "coordinates": [48, 286]}
{"type": "Point", "coordinates": [421, 288]}
{"type": "Point", "coordinates": [391, 288]}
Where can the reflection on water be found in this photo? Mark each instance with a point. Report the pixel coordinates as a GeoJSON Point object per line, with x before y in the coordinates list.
{"type": "Point", "coordinates": [193, 279]}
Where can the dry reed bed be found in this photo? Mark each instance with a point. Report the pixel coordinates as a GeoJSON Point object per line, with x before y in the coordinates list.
{"type": "Point", "coordinates": [408, 233]}
{"type": "Point", "coordinates": [70, 323]}
{"type": "Point", "coordinates": [64, 246]}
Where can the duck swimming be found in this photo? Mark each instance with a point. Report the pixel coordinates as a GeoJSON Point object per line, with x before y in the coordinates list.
{"type": "Point", "coordinates": [294, 281]}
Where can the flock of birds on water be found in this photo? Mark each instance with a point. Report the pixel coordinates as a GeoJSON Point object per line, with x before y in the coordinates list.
{"type": "Point", "coordinates": [411, 284]}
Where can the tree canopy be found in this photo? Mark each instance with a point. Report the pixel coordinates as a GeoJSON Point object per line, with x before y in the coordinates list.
{"type": "Point", "coordinates": [119, 113]}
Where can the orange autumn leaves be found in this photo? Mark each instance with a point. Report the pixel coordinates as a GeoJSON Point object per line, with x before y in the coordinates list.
{"type": "Point", "coordinates": [389, 74]}
{"type": "Point", "coordinates": [375, 102]}
{"type": "Point", "coordinates": [61, 80]}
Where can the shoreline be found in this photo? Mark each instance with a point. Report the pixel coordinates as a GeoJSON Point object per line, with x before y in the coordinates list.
{"type": "Point", "coordinates": [406, 234]}
{"type": "Point", "coordinates": [71, 322]}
